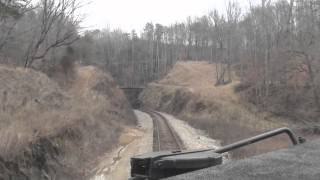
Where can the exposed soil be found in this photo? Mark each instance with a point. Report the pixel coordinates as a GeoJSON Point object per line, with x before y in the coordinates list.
{"type": "Point", "coordinates": [116, 165]}
{"type": "Point", "coordinates": [52, 132]}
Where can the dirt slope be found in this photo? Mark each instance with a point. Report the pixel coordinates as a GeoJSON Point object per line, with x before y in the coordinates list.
{"type": "Point", "coordinates": [134, 141]}
{"type": "Point", "coordinates": [189, 92]}
{"type": "Point", "coordinates": [49, 132]}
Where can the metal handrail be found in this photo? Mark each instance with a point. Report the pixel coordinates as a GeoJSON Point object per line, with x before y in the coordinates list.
{"type": "Point", "coordinates": [258, 138]}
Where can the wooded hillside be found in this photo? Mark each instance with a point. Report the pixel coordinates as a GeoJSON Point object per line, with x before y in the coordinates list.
{"type": "Point", "coordinates": [272, 46]}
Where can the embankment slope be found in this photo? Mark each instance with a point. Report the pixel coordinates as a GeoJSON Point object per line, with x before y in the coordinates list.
{"type": "Point", "coordinates": [49, 132]}
{"type": "Point", "coordinates": [189, 92]}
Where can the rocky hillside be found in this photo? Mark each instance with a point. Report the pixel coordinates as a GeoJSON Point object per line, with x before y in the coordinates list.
{"type": "Point", "coordinates": [49, 132]}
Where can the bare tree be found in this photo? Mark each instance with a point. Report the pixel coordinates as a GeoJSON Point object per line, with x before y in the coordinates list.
{"type": "Point", "coordinates": [57, 27]}
{"type": "Point", "coordinates": [233, 15]}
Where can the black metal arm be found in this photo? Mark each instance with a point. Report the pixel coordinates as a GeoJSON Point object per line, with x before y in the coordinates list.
{"type": "Point", "coordinates": [159, 165]}
{"type": "Point", "coordinates": [258, 138]}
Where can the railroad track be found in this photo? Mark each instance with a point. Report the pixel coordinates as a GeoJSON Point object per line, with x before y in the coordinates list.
{"type": "Point", "coordinates": [164, 137]}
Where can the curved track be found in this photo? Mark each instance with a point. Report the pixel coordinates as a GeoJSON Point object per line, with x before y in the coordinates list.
{"type": "Point", "coordinates": [164, 137]}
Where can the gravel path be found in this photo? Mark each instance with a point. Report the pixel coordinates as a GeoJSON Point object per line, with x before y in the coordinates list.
{"type": "Point", "coordinates": [192, 138]}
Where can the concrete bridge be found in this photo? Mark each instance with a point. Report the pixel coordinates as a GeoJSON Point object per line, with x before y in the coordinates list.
{"type": "Point", "coordinates": [132, 94]}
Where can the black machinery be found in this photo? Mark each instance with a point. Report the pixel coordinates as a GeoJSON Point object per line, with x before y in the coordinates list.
{"type": "Point", "coordinates": [158, 165]}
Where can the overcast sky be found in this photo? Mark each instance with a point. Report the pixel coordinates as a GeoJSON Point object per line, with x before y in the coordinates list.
{"type": "Point", "coordinates": [134, 14]}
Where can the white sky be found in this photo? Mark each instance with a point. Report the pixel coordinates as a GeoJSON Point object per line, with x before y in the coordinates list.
{"type": "Point", "coordinates": [134, 14]}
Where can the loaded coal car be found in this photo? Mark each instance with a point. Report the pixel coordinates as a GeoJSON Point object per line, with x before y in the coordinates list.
{"type": "Point", "coordinates": [166, 164]}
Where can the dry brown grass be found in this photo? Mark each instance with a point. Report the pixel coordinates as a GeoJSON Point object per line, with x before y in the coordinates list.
{"type": "Point", "coordinates": [82, 121]}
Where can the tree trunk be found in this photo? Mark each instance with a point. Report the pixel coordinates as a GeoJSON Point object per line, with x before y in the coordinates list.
{"type": "Point", "coordinates": [313, 82]}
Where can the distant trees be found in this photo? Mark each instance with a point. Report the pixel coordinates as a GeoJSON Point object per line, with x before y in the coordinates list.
{"type": "Point", "coordinates": [273, 46]}
{"type": "Point", "coordinates": [306, 42]}
{"type": "Point", "coordinates": [280, 55]}
{"type": "Point", "coordinates": [12, 8]}
{"type": "Point", "coordinates": [35, 32]}
{"type": "Point", "coordinates": [57, 27]}
{"type": "Point", "coordinates": [10, 12]}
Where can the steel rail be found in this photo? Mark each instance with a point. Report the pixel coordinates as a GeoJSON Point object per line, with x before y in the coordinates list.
{"type": "Point", "coordinates": [158, 134]}
{"type": "Point", "coordinates": [171, 130]}
{"type": "Point", "coordinates": [156, 116]}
